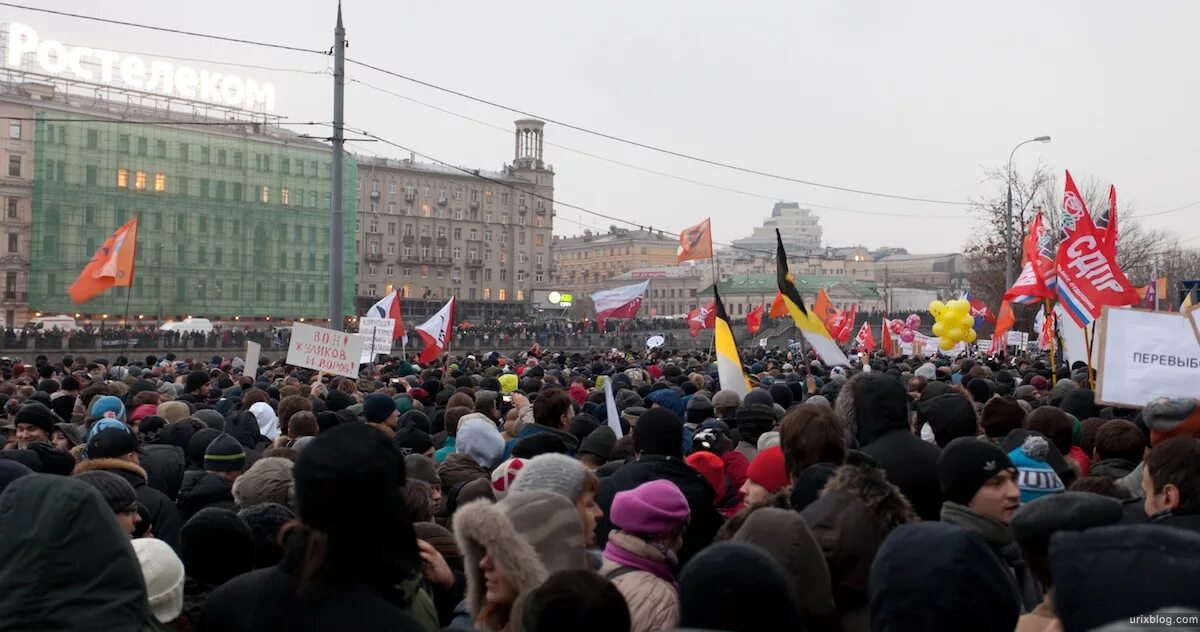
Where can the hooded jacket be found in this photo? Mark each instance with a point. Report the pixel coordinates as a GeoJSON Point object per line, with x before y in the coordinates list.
{"type": "Point", "coordinates": [649, 467]}
{"type": "Point", "coordinates": [203, 489]}
{"type": "Point", "coordinates": [853, 516]}
{"type": "Point", "coordinates": [164, 517]}
{"type": "Point", "coordinates": [164, 465]}
{"type": "Point", "coordinates": [1115, 468]}
{"type": "Point", "coordinates": [785, 536]}
{"type": "Point", "coordinates": [65, 564]}
{"type": "Point", "coordinates": [652, 600]}
{"type": "Point", "coordinates": [999, 537]}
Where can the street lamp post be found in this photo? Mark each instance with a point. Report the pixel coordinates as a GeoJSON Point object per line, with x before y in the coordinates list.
{"type": "Point", "coordinates": [1008, 215]}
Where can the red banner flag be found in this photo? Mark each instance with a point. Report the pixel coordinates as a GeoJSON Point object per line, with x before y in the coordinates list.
{"type": "Point", "coordinates": [111, 266]}
{"type": "Point", "coordinates": [695, 242]}
{"type": "Point", "coordinates": [864, 339]}
{"type": "Point", "coordinates": [754, 320]}
{"type": "Point", "coordinates": [702, 318]}
{"type": "Point", "coordinates": [888, 346]}
{"type": "Point", "coordinates": [1107, 223]}
{"type": "Point", "coordinates": [847, 325]}
{"type": "Point", "coordinates": [1088, 276]}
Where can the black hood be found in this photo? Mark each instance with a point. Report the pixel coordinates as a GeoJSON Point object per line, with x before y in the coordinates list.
{"type": "Point", "coordinates": [880, 405]}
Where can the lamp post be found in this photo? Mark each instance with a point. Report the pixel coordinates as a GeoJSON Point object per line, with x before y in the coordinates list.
{"type": "Point", "coordinates": [1008, 241]}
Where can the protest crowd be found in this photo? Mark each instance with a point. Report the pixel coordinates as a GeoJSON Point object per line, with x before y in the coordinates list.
{"type": "Point", "coordinates": [492, 492]}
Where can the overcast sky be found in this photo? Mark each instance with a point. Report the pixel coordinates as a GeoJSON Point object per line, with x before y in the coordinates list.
{"type": "Point", "coordinates": [907, 98]}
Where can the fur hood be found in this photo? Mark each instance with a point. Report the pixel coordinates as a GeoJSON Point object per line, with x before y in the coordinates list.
{"type": "Point", "coordinates": [861, 479]}
{"type": "Point", "coordinates": [110, 465]}
{"type": "Point", "coordinates": [529, 535]}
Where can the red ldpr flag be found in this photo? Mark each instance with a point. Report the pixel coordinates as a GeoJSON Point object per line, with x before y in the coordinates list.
{"type": "Point", "coordinates": [888, 346]}
{"type": "Point", "coordinates": [1088, 276]}
{"type": "Point", "coordinates": [864, 339]}
{"type": "Point", "coordinates": [754, 320]}
{"type": "Point", "coordinates": [702, 318]}
{"type": "Point", "coordinates": [111, 266]}
{"type": "Point", "coordinates": [1003, 323]}
{"type": "Point", "coordinates": [436, 333]}
{"type": "Point", "coordinates": [389, 307]}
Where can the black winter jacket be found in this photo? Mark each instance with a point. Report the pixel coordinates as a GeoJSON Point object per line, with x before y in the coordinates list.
{"type": "Point", "coordinates": [203, 489]}
{"type": "Point", "coordinates": [165, 523]}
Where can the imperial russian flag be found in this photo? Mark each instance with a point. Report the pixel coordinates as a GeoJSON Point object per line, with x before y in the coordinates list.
{"type": "Point", "coordinates": [619, 302]}
{"type": "Point", "coordinates": [436, 333]}
{"type": "Point", "coordinates": [389, 307]}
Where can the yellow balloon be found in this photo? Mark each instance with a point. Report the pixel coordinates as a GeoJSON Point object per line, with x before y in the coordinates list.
{"type": "Point", "coordinates": [970, 336]}
{"type": "Point", "coordinates": [936, 308]}
{"type": "Point", "coordinates": [960, 307]}
{"type": "Point", "coordinates": [945, 344]}
{"type": "Point", "coordinates": [967, 321]}
{"type": "Point", "coordinates": [939, 328]}
{"type": "Point", "coordinates": [953, 334]}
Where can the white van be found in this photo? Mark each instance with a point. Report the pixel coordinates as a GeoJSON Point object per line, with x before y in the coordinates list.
{"type": "Point", "coordinates": [189, 326]}
{"type": "Point", "coordinates": [50, 323]}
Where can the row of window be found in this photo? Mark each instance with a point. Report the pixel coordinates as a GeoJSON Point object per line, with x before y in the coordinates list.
{"type": "Point", "coordinates": [427, 210]}
{"type": "Point", "coordinates": [456, 253]}
{"type": "Point", "coordinates": [211, 189]}
{"type": "Point", "coordinates": [406, 291]}
{"type": "Point", "coordinates": [455, 275]}
{"type": "Point", "coordinates": [611, 252]}
{"type": "Point", "coordinates": [539, 239]}
{"type": "Point", "coordinates": [191, 289]}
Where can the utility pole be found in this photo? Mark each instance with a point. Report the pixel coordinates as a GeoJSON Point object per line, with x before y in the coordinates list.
{"type": "Point", "coordinates": [335, 214]}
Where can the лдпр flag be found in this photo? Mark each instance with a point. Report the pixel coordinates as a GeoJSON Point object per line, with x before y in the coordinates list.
{"type": "Point", "coordinates": [809, 325]}
{"type": "Point", "coordinates": [389, 307]}
{"type": "Point", "coordinates": [695, 242]}
{"type": "Point", "coordinates": [111, 266]}
{"type": "Point", "coordinates": [619, 302]}
{"type": "Point", "coordinates": [436, 333]}
{"type": "Point", "coordinates": [729, 363]}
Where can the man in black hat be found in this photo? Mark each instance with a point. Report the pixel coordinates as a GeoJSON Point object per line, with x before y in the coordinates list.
{"type": "Point", "coordinates": [115, 450]}
{"type": "Point", "coordinates": [118, 495]}
{"type": "Point", "coordinates": [34, 424]}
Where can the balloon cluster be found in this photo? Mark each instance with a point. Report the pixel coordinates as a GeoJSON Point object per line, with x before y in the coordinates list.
{"type": "Point", "coordinates": [907, 328]}
{"type": "Point", "coordinates": [954, 323]}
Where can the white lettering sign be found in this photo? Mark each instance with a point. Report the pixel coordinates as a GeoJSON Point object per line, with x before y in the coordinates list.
{"type": "Point", "coordinates": [1142, 355]}
{"type": "Point", "coordinates": [325, 350]}
{"type": "Point", "coordinates": [377, 336]}
{"type": "Point", "coordinates": [23, 46]}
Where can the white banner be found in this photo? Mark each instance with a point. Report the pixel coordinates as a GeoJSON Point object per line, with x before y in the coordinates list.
{"type": "Point", "coordinates": [1143, 355]}
{"type": "Point", "coordinates": [377, 336]}
{"type": "Point", "coordinates": [325, 350]}
{"type": "Point", "coordinates": [253, 351]}
{"type": "Point", "coordinates": [654, 342]}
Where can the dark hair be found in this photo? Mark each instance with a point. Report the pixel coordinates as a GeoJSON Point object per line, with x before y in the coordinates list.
{"type": "Point", "coordinates": [289, 406]}
{"type": "Point", "coordinates": [1087, 434]}
{"type": "Point", "coordinates": [418, 496]}
{"type": "Point", "coordinates": [485, 401]}
{"type": "Point", "coordinates": [1176, 462]}
{"type": "Point", "coordinates": [1054, 424]}
{"type": "Point", "coordinates": [461, 399]}
{"type": "Point", "coordinates": [1102, 485]}
{"type": "Point", "coordinates": [303, 424]}
{"type": "Point", "coordinates": [254, 396]}
{"type": "Point", "coordinates": [576, 600]}
{"type": "Point", "coordinates": [451, 418]}
{"type": "Point", "coordinates": [549, 408]}
{"type": "Point", "coordinates": [143, 398]}
{"type": "Point", "coordinates": [1120, 439]}
{"type": "Point", "coordinates": [808, 435]}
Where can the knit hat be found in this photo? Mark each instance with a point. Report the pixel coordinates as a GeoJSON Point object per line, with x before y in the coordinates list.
{"type": "Point", "coordinates": [174, 411]}
{"type": "Point", "coordinates": [112, 442]}
{"type": "Point", "coordinates": [38, 415]}
{"type": "Point", "coordinates": [1001, 416]}
{"type": "Point", "coordinates": [726, 399]}
{"type": "Point", "coordinates": [767, 469]}
{"type": "Point", "coordinates": [269, 480]}
{"type": "Point", "coordinates": [1169, 418]}
{"type": "Point", "coordinates": [441, 539]}
{"type": "Point", "coordinates": [224, 454]}
{"type": "Point", "coordinates": [377, 407]}
{"type": "Point", "coordinates": [768, 440]}
{"type": "Point", "coordinates": [966, 464]}
{"type": "Point", "coordinates": [348, 481]}
{"type": "Point", "coordinates": [1034, 476]}
{"type": "Point", "coordinates": [504, 475]}
{"type": "Point", "coordinates": [141, 412]}
{"type": "Point", "coordinates": [755, 419]}
{"type": "Point", "coordinates": [950, 416]}
{"type": "Point", "coordinates": [265, 520]}
{"type": "Point", "coordinates": [627, 399]}
{"type": "Point", "coordinates": [163, 572]}
{"type": "Point", "coordinates": [653, 510]}
{"type": "Point", "coordinates": [194, 381]}
{"type": "Point", "coordinates": [712, 468]}
{"type": "Point", "coordinates": [108, 406]}
{"type": "Point", "coordinates": [552, 472]}
{"type": "Point", "coordinates": [211, 419]}
{"type": "Point", "coordinates": [117, 492]}
{"type": "Point", "coordinates": [53, 460]}
{"type": "Point", "coordinates": [216, 546]}
{"type": "Point", "coordinates": [412, 441]}
{"type": "Point", "coordinates": [717, 585]}
{"type": "Point", "coordinates": [599, 443]}
{"type": "Point", "coordinates": [478, 438]}
{"type": "Point", "coordinates": [418, 467]}
{"type": "Point", "coordinates": [659, 431]}
{"type": "Point", "coordinates": [1036, 521]}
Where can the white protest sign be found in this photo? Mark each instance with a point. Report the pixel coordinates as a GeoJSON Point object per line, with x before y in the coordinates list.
{"type": "Point", "coordinates": [1145, 355]}
{"type": "Point", "coordinates": [1193, 316]}
{"type": "Point", "coordinates": [325, 350]}
{"type": "Point", "coordinates": [377, 336]}
{"type": "Point", "coordinates": [253, 351]}
{"type": "Point", "coordinates": [654, 342]}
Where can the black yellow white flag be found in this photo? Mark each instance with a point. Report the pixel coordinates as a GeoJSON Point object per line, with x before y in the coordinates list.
{"type": "Point", "coordinates": [729, 363]}
{"type": "Point", "coordinates": [810, 326]}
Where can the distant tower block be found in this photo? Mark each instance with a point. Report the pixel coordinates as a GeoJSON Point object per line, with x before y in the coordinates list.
{"type": "Point", "coordinates": [529, 144]}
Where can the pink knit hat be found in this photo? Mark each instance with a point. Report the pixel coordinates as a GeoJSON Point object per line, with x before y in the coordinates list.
{"type": "Point", "coordinates": [656, 508]}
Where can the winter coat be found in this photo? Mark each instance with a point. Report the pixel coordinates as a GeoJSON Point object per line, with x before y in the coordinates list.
{"type": "Point", "coordinates": [65, 563]}
{"type": "Point", "coordinates": [165, 523]}
{"type": "Point", "coordinates": [747, 450]}
{"type": "Point", "coordinates": [1113, 468]}
{"type": "Point", "coordinates": [705, 520]}
{"type": "Point", "coordinates": [1133, 482]}
{"type": "Point", "coordinates": [459, 468]}
{"type": "Point", "coordinates": [269, 599]}
{"type": "Point", "coordinates": [785, 536]}
{"type": "Point", "coordinates": [652, 600]}
{"type": "Point", "coordinates": [164, 465]}
{"type": "Point", "coordinates": [910, 464]}
{"type": "Point", "coordinates": [1185, 517]}
{"type": "Point", "coordinates": [529, 430]}
{"type": "Point", "coordinates": [856, 511]}
{"type": "Point", "coordinates": [445, 450]}
{"type": "Point", "coordinates": [999, 538]}
{"type": "Point", "coordinates": [202, 489]}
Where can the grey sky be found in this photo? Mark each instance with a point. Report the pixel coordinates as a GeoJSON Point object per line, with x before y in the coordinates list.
{"type": "Point", "coordinates": [913, 98]}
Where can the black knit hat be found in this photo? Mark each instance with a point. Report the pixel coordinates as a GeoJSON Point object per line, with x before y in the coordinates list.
{"type": "Point", "coordinates": [225, 454]}
{"type": "Point", "coordinates": [755, 419]}
{"type": "Point", "coordinates": [659, 431]}
{"type": "Point", "coordinates": [265, 520]}
{"type": "Point", "coordinates": [412, 441]}
{"type": "Point", "coordinates": [966, 464]}
{"type": "Point", "coordinates": [950, 416]}
{"type": "Point", "coordinates": [38, 415]}
{"type": "Point", "coordinates": [216, 546]}
{"type": "Point", "coordinates": [377, 407]}
{"type": "Point", "coordinates": [198, 444]}
{"type": "Point", "coordinates": [348, 481]}
{"type": "Point", "coordinates": [599, 443]}
{"type": "Point", "coordinates": [117, 492]}
{"type": "Point", "coordinates": [194, 381]}
{"type": "Point", "coordinates": [718, 583]}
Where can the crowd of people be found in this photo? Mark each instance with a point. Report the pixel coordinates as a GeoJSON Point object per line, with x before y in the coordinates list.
{"type": "Point", "coordinates": [495, 492]}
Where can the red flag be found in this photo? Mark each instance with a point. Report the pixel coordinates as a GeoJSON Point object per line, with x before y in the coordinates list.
{"type": "Point", "coordinates": [619, 302]}
{"type": "Point", "coordinates": [778, 308]}
{"type": "Point", "coordinates": [1107, 223]}
{"type": "Point", "coordinates": [389, 307]}
{"type": "Point", "coordinates": [1003, 323]}
{"type": "Point", "coordinates": [1046, 338]}
{"type": "Point", "coordinates": [1088, 276]}
{"type": "Point", "coordinates": [111, 266]}
{"type": "Point", "coordinates": [436, 333]}
{"type": "Point", "coordinates": [847, 329]}
{"type": "Point", "coordinates": [864, 339]}
{"type": "Point", "coordinates": [695, 242]}
{"type": "Point", "coordinates": [889, 347]}
{"type": "Point", "coordinates": [702, 318]}
{"type": "Point", "coordinates": [1030, 287]}
{"type": "Point", "coordinates": [754, 320]}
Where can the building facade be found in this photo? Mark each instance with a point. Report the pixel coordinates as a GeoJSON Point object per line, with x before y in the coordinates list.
{"type": "Point", "coordinates": [855, 263]}
{"type": "Point", "coordinates": [799, 228]}
{"type": "Point", "coordinates": [945, 273]}
{"type": "Point", "coordinates": [233, 217]}
{"type": "Point", "coordinates": [432, 232]}
{"type": "Point", "coordinates": [742, 292]}
{"type": "Point", "coordinates": [586, 263]}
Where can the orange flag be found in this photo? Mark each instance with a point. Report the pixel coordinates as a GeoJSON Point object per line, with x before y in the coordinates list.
{"type": "Point", "coordinates": [825, 310]}
{"type": "Point", "coordinates": [1004, 322]}
{"type": "Point", "coordinates": [112, 265]}
{"type": "Point", "coordinates": [778, 309]}
{"type": "Point", "coordinates": [695, 242]}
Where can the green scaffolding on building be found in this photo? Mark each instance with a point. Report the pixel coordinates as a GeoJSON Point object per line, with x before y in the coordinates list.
{"type": "Point", "coordinates": [233, 223]}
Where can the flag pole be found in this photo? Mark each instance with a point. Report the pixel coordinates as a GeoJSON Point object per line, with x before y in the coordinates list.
{"type": "Point", "coordinates": [132, 280]}
{"type": "Point", "coordinates": [1053, 342]}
